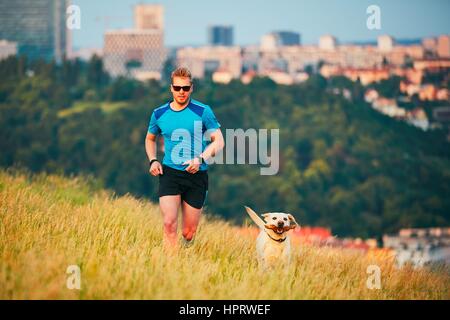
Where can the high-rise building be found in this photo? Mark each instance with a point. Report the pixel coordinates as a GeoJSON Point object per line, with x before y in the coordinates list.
{"type": "Point", "coordinates": [37, 26]}
{"type": "Point", "coordinates": [287, 38]}
{"type": "Point", "coordinates": [138, 52]}
{"type": "Point", "coordinates": [443, 47]}
{"type": "Point", "coordinates": [220, 35]}
{"type": "Point", "coordinates": [149, 16]}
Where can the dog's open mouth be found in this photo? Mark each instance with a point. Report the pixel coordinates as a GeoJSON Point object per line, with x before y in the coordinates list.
{"type": "Point", "coordinates": [278, 230]}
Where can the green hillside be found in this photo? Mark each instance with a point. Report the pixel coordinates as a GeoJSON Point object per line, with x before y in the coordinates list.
{"type": "Point", "coordinates": [342, 164]}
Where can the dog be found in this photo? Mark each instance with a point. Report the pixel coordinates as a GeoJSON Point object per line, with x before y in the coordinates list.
{"type": "Point", "coordinates": [273, 245]}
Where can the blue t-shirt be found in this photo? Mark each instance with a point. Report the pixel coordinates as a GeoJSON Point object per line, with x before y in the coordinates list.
{"type": "Point", "coordinates": [183, 131]}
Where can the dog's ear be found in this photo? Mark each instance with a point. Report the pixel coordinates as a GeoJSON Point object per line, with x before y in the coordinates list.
{"type": "Point", "coordinates": [292, 222]}
{"type": "Point", "coordinates": [265, 215]}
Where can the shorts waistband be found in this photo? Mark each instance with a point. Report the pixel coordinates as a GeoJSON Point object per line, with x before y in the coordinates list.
{"type": "Point", "coordinates": [181, 172]}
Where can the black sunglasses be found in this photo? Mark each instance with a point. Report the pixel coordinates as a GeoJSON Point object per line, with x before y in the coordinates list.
{"type": "Point", "coordinates": [178, 88]}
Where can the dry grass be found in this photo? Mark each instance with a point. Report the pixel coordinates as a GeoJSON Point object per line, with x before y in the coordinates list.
{"type": "Point", "coordinates": [48, 223]}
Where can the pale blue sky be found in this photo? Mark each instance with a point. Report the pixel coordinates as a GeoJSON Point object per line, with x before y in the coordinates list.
{"type": "Point", "coordinates": [186, 21]}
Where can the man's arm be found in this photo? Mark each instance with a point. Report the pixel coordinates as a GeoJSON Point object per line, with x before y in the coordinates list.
{"type": "Point", "coordinates": [217, 144]}
{"type": "Point", "coordinates": [150, 149]}
{"type": "Point", "coordinates": [150, 146]}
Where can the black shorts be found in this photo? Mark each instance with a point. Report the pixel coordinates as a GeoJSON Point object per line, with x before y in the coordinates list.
{"type": "Point", "coordinates": [193, 188]}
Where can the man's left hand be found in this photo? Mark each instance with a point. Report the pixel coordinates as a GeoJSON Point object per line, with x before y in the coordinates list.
{"type": "Point", "coordinates": [193, 165]}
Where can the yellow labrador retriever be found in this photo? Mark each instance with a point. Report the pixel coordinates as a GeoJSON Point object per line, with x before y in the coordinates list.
{"type": "Point", "coordinates": [273, 245]}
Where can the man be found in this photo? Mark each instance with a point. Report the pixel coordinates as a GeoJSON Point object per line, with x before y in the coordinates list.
{"type": "Point", "coordinates": [183, 177]}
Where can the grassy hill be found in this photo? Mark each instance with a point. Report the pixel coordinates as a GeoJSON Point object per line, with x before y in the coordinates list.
{"type": "Point", "coordinates": [80, 106]}
{"type": "Point", "coordinates": [48, 223]}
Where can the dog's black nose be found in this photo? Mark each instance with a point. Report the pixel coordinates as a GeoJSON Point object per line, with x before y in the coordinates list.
{"type": "Point", "coordinates": [280, 224]}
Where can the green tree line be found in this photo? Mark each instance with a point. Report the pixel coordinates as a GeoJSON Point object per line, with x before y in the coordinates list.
{"type": "Point", "coordinates": [342, 164]}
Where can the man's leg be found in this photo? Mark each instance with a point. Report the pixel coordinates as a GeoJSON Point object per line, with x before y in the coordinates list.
{"type": "Point", "coordinates": [169, 207]}
{"type": "Point", "coordinates": [191, 218]}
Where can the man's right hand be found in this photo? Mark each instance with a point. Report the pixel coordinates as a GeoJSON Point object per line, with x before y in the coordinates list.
{"type": "Point", "coordinates": [156, 169]}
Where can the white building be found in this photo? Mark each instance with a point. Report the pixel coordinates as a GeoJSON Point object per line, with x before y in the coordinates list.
{"type": "Point", "coordinates": [327, 42]}
{"type": "Point", "coordinates": [137, 52]}
{"type": "Point", "coordinates": [385, 43]}
{"type": "Point", "coordinates": [209, 59]}
{"type": "Point", "coordinates": [418, 118]}
{"type": "Point", "coordinates": [7, 48]}
{"type": "Point", "coordinates": [133, 52]}
{"type": "Point", "coordinates": [222, 76]}
{"type": "Point", "coordinates": [388, 107]}
{"type": "Point", "coordinates": [269, 42]}
{"type": "Point", "coordinates": [420, 247]}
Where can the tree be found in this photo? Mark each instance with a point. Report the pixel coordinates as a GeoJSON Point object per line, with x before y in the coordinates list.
{"type": "Point", "coordinates": [96, 75]}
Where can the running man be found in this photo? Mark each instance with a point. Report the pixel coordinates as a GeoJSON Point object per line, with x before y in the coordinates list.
{"type": "Point", "coordinates": [183, 176]}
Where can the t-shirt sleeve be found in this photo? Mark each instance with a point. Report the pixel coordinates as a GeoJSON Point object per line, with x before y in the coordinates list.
{"type": "Point", "coordinates": [153, 127]}
{"type": "Point", "coordinates": [209, 119]}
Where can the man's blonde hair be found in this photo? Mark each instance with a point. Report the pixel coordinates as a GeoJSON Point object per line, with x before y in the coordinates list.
{"type": "Point", "coordinates": [181, 72]}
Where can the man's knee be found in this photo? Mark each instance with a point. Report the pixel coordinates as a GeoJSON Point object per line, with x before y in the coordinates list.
{"type": "Point", "coordinates": [188, 233]}
{"type": "Point", "coordinates": [170, 225]}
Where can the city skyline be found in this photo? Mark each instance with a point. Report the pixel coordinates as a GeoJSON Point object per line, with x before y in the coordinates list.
{"type": "Point", "coordinates": [36, 29]}
{"type": "Point", "coordinates": [345, 20]}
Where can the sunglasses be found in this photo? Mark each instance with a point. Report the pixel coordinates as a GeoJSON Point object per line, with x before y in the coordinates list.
{"type": "Point", "coordinates": [178, 88]}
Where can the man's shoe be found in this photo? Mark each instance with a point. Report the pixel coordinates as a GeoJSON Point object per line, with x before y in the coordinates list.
{"type": "Point", "coordinates": [187, 243]}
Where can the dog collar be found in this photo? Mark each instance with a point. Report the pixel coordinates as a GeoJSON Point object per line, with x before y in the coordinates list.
{"type": "Point", "coordinates": [277, 240]}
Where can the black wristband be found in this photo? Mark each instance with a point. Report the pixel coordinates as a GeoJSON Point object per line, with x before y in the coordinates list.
{"type": "Point", "coordinates": [153, 160]}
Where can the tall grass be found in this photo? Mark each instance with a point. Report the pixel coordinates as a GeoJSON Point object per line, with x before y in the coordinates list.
{"type": "Point", "coordinates": [49, 222]}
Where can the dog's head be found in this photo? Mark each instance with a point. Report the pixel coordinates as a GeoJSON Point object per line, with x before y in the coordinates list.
{"type": "Point", "coordinates": [279, 222]}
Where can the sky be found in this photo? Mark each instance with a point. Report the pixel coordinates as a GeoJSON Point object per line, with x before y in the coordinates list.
{"type": "Point", "coordinates": [186, 21]}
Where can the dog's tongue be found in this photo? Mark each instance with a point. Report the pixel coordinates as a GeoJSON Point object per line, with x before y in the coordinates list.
{"type": "Point", "coordinates": [280, 230]}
